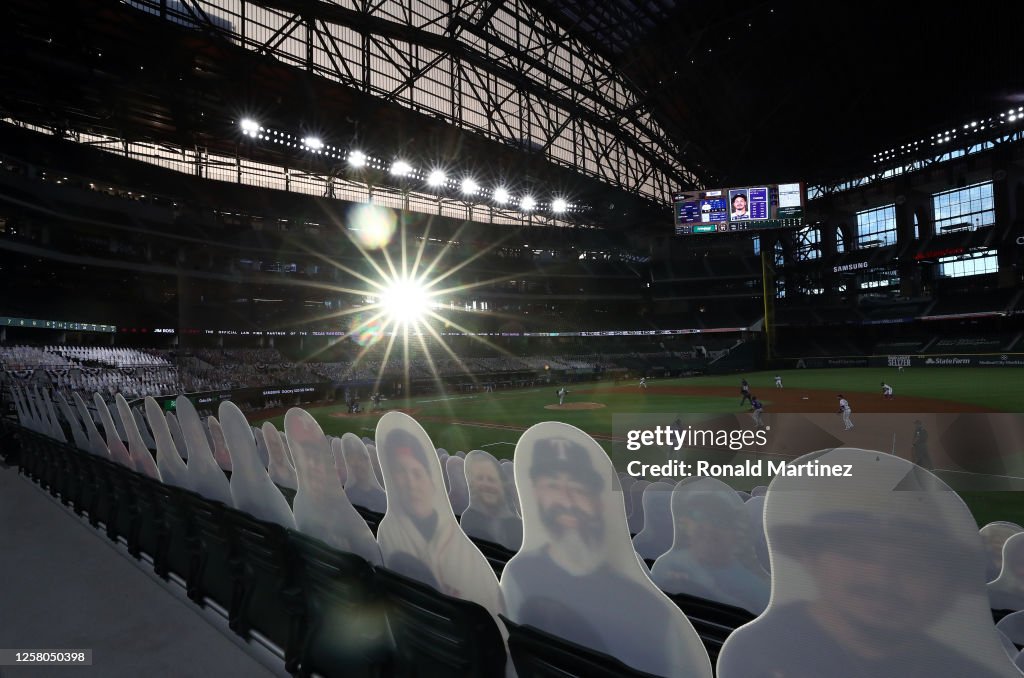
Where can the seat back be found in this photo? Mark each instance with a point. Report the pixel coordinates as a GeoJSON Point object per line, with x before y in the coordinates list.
{"type": "Point", "coordinates": [270, 601]}
{"type": "Point", "coordinates": [345, 630]}
{"type": "Point", "coordinates": [541, 655]}
{"type": "Point", "coordinates": [438, 635]}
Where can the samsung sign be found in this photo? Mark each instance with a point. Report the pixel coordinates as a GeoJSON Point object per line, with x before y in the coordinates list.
{"type": "Point", "coordinates": [850, 267]}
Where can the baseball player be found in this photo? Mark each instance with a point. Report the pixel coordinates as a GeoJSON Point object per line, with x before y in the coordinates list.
{"type": "Point", "coordinates": [744, 391]}
{"type": "Point", "coordinates": [561, 395]}
{"type": "Point", "coordinates": [844, 409]}
{"type": "Point", "coordinates": [758, 408]}
{"type": "Point", "coordinates": [886, 391]}
{"type": "Point", "coordinates": [643, 382]}
{"type": "Point", "coordinates": [778, 381]}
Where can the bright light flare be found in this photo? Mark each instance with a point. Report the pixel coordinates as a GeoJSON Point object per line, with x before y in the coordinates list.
{"type": "Point", "coordinates": [401, 168]}
{"type": "Point", "coordinates": [374, 225]}
{"type": "Point", "coordinates": [559, 206]}
{"type": "Point", "coordinates": [436, 178]}
{"type": "Point", "coordinates": [527, 203]}
{"type": "Point", "coordinates": [250, 126]}
{"type": "Point", "coordinates": [313, 142]}
{"type": "Point", "coordinates": [356, 158]}
{"type": "Point", "coordinates": [501, 196]}
{"type": "Point", "coordinates": [405, 301]}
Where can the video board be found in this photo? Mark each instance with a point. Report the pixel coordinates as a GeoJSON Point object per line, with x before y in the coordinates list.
{"type": "Point", "coordinates": [747, 208]}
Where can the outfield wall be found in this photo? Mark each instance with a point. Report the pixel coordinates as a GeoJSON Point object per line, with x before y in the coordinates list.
{"type": "Point", "coordinates": [952, 360]}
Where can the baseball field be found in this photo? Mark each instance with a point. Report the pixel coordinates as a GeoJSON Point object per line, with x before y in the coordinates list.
{"type": "Point", "coordinates": [494, 421]}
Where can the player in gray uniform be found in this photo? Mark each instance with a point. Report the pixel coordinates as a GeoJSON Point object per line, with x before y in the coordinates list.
{"type": "Point", "coordinates": [844, 409]}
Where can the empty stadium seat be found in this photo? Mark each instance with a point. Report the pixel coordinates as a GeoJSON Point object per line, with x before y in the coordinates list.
{"type": "Point", "coordinates": [438, 635]}
{"type": "Point", "coordinates": [542, 655]}
{"type": "Point", "coordinates": [344, 630]}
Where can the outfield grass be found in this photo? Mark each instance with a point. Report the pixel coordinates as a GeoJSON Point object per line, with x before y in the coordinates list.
{"type": "Point", "coordinates": [993, 387]}
{"type": "Point", "coordinates": [494, 422]}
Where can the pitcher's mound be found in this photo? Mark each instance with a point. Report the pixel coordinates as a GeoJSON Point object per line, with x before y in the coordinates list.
{"type": "Point", "coordinates": [575, 406]}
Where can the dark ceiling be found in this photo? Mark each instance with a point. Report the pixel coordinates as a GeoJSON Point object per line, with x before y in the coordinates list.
{"type": "Point", "coordinates": [751, 90]}
{"type": "Point", "coordinates": [796, 90]}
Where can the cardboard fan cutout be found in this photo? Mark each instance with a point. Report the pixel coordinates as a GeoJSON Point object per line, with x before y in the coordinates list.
{"type": "Point", "coordinates": [322, 510]}
{"type": "Point", "coordinates": [281, 470]}
{"type": "Point", "coordinates": [458, 490]}
{"type": "Point", "coordinates": [220, 447]}
{"type": "Point", "coordinates": [144, 429]}
{"type": "Point", "coordinates": [339, 461]}
{"type": "Point", "coordinates": [656, 537]}
{"type": "Point", "coordinates": [712, 554]}
{"type": "Point", "coordinates": [118, 452]}
{"type": "Point", "coordinates": [419, 536]}
{"type": "Point", "coordinates": [490, 514]}
{"type": "Point", "coordinates": [636, 515]}
{"type": "Point", "coordinates": [77, 432]}
{"type": "Point", "coordinates": [1006, 592]}
{"type": "Point", "coordinates": [176, 435]}
{"type": "Point", "coordinates": [168, 459]}
{"type": "Point", "coordinates": [204, 475]}
{"type": "Point", "coordinates": [577, 575]}
{"type": "Point", "coordinates": [143, 460]}
{"type": "Point", "coordinates": [876, 574]}
{"type": "Point", "coordinates": [96, 444]}
{"type": "Point", "coordinates": [994, 535]}
{"type": "Point", "coordinates": [362, 488]}
{"type": "Point", "coordinates": [252, 491]}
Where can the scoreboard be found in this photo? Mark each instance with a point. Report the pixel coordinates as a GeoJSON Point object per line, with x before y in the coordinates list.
{"type": "Point", "coordinates": [748, 208]}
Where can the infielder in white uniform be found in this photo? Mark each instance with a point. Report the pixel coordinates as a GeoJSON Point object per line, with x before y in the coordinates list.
{"type": "Point", "coordinates": [561, 395]}
{"type": "Point", "coordinates": [844, 409]}
{"type": "Point", "coordinates": [778, 381]}
{"type": "Point", "coordinates": [643, 382]}
{"type": "Point", "coordinates": [886, 391]}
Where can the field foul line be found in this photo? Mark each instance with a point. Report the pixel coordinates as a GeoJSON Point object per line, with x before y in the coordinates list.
{"type": "Point", "coordinates": [441, 400]}
{"type": "Point", "coordinates": [506, 427]}
{"type": "Point", "coordinates": [499, 443]}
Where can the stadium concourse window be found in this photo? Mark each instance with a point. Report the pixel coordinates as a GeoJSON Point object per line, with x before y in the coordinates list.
{"type": "Point", "coordinates": [757, 244]}
{"type": "Point", "coordinates": [964, 208]}
{"type": "Point", "coordinates": [840, 240]}
{"type": "Point", "coordinates": [885, 278]}
{"type": "Point", "coordinates": [876, 227]}
{"type": "Point", "coordinates": [780, 257]}
{"type": "Point", "coordinates": [964, 265]}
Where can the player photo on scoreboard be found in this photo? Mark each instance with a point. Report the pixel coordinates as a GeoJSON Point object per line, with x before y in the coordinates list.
{"type": "Point", "coordinates": [739, 204]}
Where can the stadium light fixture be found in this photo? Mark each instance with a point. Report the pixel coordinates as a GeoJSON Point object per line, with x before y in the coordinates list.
{"type": "Point", "coordinates": [469, 187]}
{"type": "Point", "coordinates": [357, 158]}
{"type": "Point", "coordinates": [501, 196]}
{"type": "Point", "coordinates": [436, 178]}
{"type": "Point", "coordinates": [401, 168]}
{"type": "Point", "coordinates": [559, 205]}
{"type": "Point", "coordinates": [249, 126]}
{"type": "Point", "coordinates": [527, 203]}
{"type": "Point", "coordinates": [313, 143]}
